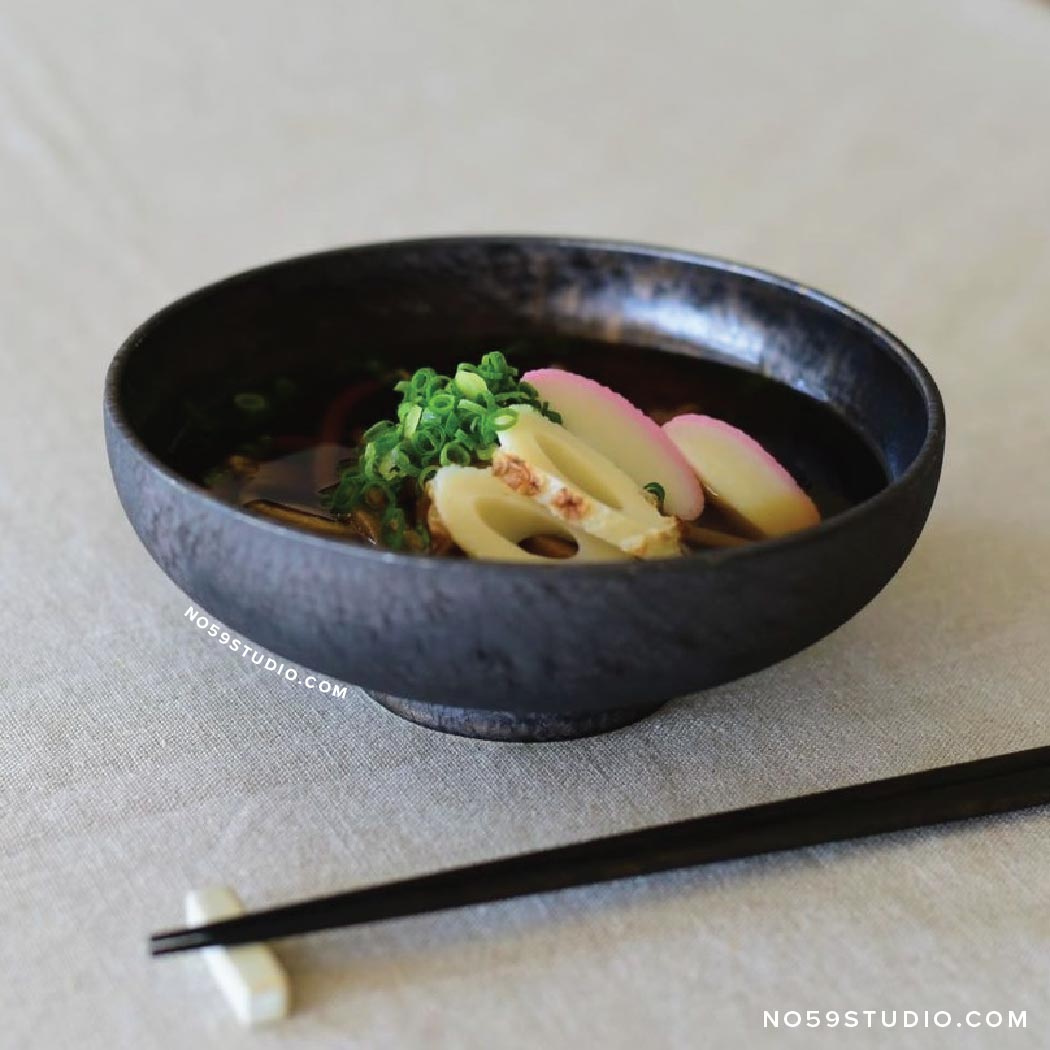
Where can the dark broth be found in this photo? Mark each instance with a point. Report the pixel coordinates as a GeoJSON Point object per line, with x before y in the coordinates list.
{"type": "Point", "coordinates": [274, 446]}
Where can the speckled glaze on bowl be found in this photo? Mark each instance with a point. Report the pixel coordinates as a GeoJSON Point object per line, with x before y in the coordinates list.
{"type": "Point", "coordinates": [551, 651]}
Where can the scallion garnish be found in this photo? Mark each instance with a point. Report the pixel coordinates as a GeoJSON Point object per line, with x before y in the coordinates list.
{"type": "Point", "coordinates": [656, 490]}
{"type": "Point", "coordinates": [251, 402]}
{"type": "Point", "coordinates": [441, 420]}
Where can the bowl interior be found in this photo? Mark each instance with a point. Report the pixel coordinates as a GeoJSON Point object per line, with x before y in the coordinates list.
{"type": "Point", "coordinates": [846, 415]}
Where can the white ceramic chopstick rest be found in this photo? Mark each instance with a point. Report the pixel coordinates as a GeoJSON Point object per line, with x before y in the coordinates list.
{"type": "Point", "coordinates": [250, 975]}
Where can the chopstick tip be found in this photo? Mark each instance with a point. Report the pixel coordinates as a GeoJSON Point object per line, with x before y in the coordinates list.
{"type": "Point", "coordinates": [170, 942]}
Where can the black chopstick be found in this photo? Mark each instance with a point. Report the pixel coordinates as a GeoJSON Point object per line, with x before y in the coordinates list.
{"type": "Point", "coordinates": [935, 796]}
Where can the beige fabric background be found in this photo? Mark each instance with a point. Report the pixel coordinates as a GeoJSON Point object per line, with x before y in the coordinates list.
{"type": "Point", "coordinates": [896, 154]}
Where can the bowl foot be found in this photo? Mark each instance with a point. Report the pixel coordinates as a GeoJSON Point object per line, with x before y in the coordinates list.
{"type": "Point", "coordinates": [512, 725]}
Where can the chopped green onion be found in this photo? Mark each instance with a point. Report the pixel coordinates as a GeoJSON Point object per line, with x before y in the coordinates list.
{"type": "Point", "coordinates": [656, 490]}
{"type": "Point", "coordinates": [441, 403]}
{"type": "Point", "coordinates": [251, 402]}
{"type": "Point", "coordinates": [377, 430]}
{"type": "Point", "coordinates": [456, 454]}
{"type": "Point", "coordinates": [411, 420]}
{"type": "Point", "coordinates": [441, 421]}
{"type": "Point", "coordinates": [472, 408]}
{"type": "Point", "coordinates": [470, 383]}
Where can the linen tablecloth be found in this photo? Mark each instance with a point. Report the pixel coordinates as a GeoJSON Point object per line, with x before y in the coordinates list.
{"type": "Point", "coordinates": [895, 154]}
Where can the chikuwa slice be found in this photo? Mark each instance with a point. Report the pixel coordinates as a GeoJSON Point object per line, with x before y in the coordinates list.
{"type": "Point", "coordinates": [487, 520]}
{"type": "Point", "coordinates": [622, 433]}
{"type": "Point", "coordinates": [562, 473]}
{"type": "Point", "coordinates": [740, 476]}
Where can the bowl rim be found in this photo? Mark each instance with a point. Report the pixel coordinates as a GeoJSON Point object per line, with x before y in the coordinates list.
{"type": "Point", "coordinates": [931, 448]}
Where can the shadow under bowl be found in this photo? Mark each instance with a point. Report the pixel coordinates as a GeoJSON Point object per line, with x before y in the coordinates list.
{"type": "Point", "coordinates": [516, 651]}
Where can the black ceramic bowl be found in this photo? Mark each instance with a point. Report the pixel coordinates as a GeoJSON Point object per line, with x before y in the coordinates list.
{"type": "Point", "coordinates": [508, 651]}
